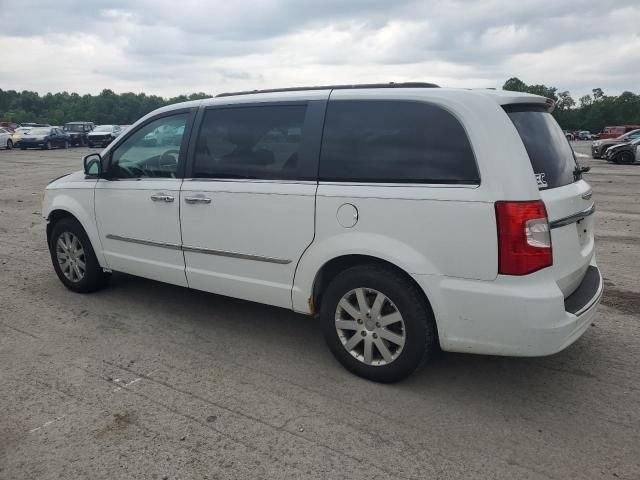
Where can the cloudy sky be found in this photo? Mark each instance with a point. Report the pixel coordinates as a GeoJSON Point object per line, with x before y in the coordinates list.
{"type": "Point", "coordinates": [183, 46]}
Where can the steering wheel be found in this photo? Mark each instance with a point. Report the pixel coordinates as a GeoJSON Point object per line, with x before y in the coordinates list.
{"type": "Point", "coordinates": [167, 157]}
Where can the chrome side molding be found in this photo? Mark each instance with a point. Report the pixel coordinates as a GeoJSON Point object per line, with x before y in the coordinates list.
{"type": "Point", "coordinates": [576, 217]}
{"type": "Point", "coordinates": [172, 246]}
{"type": "Point", "coordinates": [208, 251]}
{"type": "Point", "coordinates": [244, 256]}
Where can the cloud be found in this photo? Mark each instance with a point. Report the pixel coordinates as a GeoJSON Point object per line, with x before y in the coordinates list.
{"type": "Point", "coordinates": [167, 47]}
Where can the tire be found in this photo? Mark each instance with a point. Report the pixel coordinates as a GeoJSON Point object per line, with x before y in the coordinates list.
{"type": "Point", "coordinates": [90, 145]}
{"type": "Point", "coordinates": [93, 278]}
{"type": "Point", "coordinates": [65, 145]}
{"type": "Point", "coordinates": [416, 325]}
{"type": "Point", "coordinates": [47, 146]}
{"type": "Point", "coordinates": [23, 148]}
{"type": "Point", "coordinates": [9, 144]}
{"type": "Point", "coordinates": [625, 157]}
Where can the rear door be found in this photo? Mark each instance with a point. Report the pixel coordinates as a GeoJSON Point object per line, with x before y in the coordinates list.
{"type": "Point", "coordinates": [247, 212]}
{"type": "Point", "coordinates": [567, 197]}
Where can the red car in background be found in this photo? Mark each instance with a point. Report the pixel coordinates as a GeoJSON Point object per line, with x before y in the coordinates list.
{"type": "Point", "coordinates": [617, 131]}
{"type": "Point", "coordinates": [11, 126]}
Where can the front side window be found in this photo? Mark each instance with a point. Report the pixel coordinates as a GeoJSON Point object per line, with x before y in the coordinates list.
{"type": "Point", "coordinates": [250, 142]}
{"type": "Point", "coordinates": [152, 151]}
{"type": "Point", "coordinates": [395, 142]}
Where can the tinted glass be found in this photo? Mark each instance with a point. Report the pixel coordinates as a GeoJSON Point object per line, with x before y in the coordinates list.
{"type": "Point", "coordinates": [151, 151]}
{"type": "Point", "coordinates": [395, 141]}
{"type": "Point", "coordinates": [551, 155]}
{"type": "Point", "coordinates": [250, 142]}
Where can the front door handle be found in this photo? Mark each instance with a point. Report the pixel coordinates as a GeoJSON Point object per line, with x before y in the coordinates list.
{"type": "Point", "coordinates": [198, 199]}
{"type": "Point", "coordinates": [162, 197]}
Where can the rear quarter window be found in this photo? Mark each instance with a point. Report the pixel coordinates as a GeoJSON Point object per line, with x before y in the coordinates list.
{"type": "Point", "coordinates": [551, 156]}
{"type": "Point", "coordinates": [395, 142]}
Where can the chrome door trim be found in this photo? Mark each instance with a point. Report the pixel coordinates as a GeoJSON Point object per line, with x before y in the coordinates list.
{"type": "Point", "coordinates": [208, 251]}
{"type": "Point", "coordinates": [244, 256]}
{"type": "Point", "coordinates": [561, 222]}
{"type": "Point", "coordinates": [172, 246]}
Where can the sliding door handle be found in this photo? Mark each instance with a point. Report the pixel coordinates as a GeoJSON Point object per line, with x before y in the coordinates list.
{"type": "Point", "coordinates": [194, 200]}
{"type": "Point", "coordinates": [162, 197]}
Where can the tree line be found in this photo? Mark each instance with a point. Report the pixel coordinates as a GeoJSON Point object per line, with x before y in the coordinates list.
{"type": "Point", "coordinates": [105, 108]}
{"type": "Point", "coordinates": [591, 112]}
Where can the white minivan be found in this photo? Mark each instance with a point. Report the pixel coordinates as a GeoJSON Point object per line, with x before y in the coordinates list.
{"type": "Point", "coordinates": [406, 217]}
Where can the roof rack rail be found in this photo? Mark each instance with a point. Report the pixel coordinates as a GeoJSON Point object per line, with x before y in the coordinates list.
{"type": "Point", "coordinates": [335, 87]}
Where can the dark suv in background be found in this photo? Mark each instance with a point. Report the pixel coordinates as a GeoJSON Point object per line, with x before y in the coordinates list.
{"type": "Point", "coordinates": [78, 132]}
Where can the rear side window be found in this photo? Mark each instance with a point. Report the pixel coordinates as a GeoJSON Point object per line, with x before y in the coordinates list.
{"type": "Point", "coordinates": [395, 142]}
{"type": "Point", "coordinates": [250, 142]}
{"type": "Point", "coordinates": [549, 151]}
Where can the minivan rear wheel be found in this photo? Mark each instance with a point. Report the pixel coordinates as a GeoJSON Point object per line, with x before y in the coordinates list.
{"type": "Point", "coordinates": [377, 323]}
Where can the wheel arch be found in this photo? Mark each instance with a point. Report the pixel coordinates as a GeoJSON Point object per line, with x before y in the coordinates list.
{"type": "Point", "coordinates": [336, 265]}
{"type": "Point", "coordinates": [65, 206]}
{"type": "Point", "coordinates": [54, 217]}
{"type": "Point", "coordinates": [330, 269]}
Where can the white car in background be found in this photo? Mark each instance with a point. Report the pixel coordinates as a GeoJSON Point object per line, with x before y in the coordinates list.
{"type": "Point", "coordinates": [405, 217]}
{"type": "Point", "coordinates": [6, 138]}
{"type": "Point", "coordinates": [103, 135]}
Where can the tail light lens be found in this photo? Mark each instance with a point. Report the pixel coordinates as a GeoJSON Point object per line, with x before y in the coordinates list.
{"type": "Point", "coordinates": [524, 239]}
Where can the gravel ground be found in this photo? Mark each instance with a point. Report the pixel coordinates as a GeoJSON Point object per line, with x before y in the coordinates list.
{"type": "Point", "coordinates": [147, 380]}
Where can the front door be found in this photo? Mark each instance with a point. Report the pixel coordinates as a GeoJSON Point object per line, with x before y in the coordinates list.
{"type": "Point", "coordinates": [137, 208]}
{"type": "Point", "coordinates": [247, 212]}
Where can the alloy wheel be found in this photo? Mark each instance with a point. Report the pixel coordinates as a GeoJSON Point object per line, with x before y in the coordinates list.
{"type": "Point", "coordinates": [370, 326]}
{"type": "Point", "coordinates": [71, 257]}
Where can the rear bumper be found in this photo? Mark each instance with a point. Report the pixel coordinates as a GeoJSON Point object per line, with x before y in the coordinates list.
{"type": "Point", "coordinates": [514, 316]}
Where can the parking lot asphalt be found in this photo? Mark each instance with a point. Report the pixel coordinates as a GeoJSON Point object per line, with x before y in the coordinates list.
{"type": "Point", "coordinates": [147, 380]}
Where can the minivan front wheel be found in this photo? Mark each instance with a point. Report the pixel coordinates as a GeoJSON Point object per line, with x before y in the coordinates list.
{"type": "Point", "coordinates": [377, 323]}
{"type": "Point", "coordinates": [73, 257]}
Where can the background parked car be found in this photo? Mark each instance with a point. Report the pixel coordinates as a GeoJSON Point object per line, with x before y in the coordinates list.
{"type": "Point", "coordinates": [164, 135]}
{"type": "Point", "coordinates": [103, 135]}
{"type": "Point", "coordinates": [5, 139]}
{"type": "Point", "coordinates": [29, 124]}
{"type": "Point", "coordinates": [45, 138]}
{"type": "Point", "coordinates": [570, 136]}
{"type": "Point", "coordinates": [623, 153]}
{"type": "Point", "coordinates": [585, 135]}
{"type": "Point", "coordinates": [617, 131]}
{"type": "Point", "coordinates": [78, 132]}
{"type": "Point", "coordinates": [599, 147]}
{"type": "Point", "coordinates": [11, 126]}
{"type": "Point", "coordinates": [17, 135]}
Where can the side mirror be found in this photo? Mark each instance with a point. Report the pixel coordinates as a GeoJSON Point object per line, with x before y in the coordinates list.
{"type": "Point", "coordinates": [93, 165]}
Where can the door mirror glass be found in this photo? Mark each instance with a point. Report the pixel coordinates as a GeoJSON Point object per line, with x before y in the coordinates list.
{"type": "Point", "coordinates": [93, 165]}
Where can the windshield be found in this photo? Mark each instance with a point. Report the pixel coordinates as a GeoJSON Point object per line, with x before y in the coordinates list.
{"type": "Point", "coordinates": [103, 128]}
{"type": "Point", "coordinates": [74, 128]}
{"type": "Point", "coordinates": [551, 155]}
{"type": "Point", "coordinates": [39, 131]}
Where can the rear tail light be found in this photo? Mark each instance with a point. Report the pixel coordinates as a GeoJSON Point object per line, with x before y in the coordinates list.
{"type": "Point", "coordinates": [524, 239]}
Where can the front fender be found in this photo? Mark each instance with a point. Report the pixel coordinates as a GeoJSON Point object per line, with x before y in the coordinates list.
{"type": "Point", "coordinates": [352, 243]}
{"type": "Point", "coordinates": [81, 205]}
